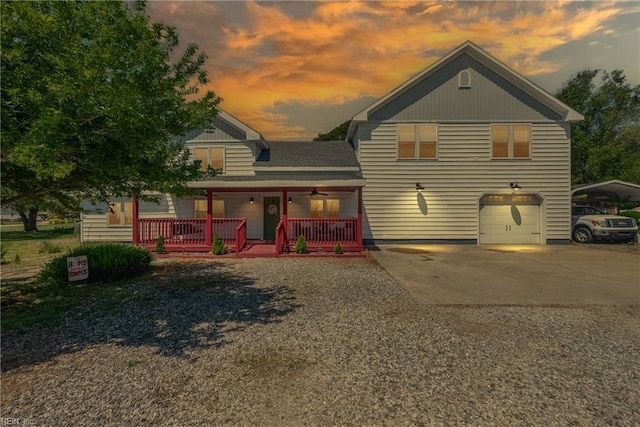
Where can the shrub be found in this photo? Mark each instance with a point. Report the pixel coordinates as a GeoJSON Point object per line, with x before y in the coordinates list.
{"type": "Point", "coordinates": [160, 245]}
{"type": "Point", "coordinates": [218, 245]}
{"type": "Point", "coordinates": [49, 248]}
{"type": "Point", "coordinates": [17, 259]}
{"type": "Point", "coordinates": [301, 245]}
{"type": "Point", "coordinates": [3, 254]}
{"type": "Point", "coordinates": [107, 262]}
{"type": "Point", "coordinates": [337, 249]}
{"type": "Point", "coordinates": [631, 214]}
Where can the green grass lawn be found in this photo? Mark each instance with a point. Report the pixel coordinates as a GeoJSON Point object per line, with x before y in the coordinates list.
{"type": "Point", "coordinates": [27, 303]}
{"type": "Point", "coordinates": [25, 253]}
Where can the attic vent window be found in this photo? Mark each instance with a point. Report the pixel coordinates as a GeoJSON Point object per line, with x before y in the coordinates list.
{"type": "Point", "coordinates": [464, 79]}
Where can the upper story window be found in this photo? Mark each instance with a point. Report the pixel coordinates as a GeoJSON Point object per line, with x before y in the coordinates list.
{"type": "Point", "coordinates": [464, 79]}
{"type": "Point", "coordinates": [120, 213]}
{"type": "Point", "coordinates": [200, 208]}
{"type": "Point", "coordinates": [511, 141]}
{"type": "Point", "coordinates": [320, 208]}
{"type": "Point", "coordinates": [417, 141]}
{"type": "Point", "coordinates": [210, 157]}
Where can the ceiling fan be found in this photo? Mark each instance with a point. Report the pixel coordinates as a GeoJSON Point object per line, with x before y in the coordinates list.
{"type": "Point", "coordinates": [315, 192]}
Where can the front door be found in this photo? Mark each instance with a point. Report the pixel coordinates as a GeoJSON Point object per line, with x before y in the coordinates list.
{"type": "Point", "coordinates": [271, 217]}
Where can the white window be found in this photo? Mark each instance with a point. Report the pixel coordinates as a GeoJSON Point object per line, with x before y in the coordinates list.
{"type": "Point", "coordinates": [210, 157]}
{"type": "Point", "coordinates": [320, 208]}
{"type": "Point", "coordinates": [200, 208]}
{"type": "Point", "coordinates": [417, 141]}
{"type": "Point", "coordinates": [511, 141]}
{"type": "Point", "coordinates": [120, 213]}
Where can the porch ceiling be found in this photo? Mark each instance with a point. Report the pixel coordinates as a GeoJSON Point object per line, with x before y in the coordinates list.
{"type": "Point", "coordinates": [290, 180]}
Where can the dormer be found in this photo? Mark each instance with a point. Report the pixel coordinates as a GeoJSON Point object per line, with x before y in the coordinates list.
{"type": "Point", "coordinates": [228, 145]}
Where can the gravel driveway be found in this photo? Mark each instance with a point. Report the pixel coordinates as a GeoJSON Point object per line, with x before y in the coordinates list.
{"type": "Point", "coordinates": [321, 342]}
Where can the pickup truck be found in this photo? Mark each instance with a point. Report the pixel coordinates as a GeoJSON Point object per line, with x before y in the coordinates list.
{"type": "Point", "coordinates": [589, 224]}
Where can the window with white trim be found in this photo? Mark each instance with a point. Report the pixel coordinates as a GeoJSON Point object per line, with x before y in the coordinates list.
{"type": "Point", "coordinates": [210, 157]}
{"type": "Point", "coordinates": [200, 208]}
{"type": "Point", "coordinates": [119, 214]}
{"type": "Point", "coordinates": [417, 141]}
{"type": "Point", "coordinates": [511, 141]}
{"type": "Point", "coordinates": [324, 208]}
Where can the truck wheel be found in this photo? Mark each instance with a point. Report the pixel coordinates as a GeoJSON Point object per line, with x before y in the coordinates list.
{"type": "Point", "coordinates": [582, 235]}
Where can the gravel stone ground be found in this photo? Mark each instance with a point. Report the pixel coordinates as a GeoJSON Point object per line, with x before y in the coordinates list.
{"type": "Point", "coordinates": [320, 342]}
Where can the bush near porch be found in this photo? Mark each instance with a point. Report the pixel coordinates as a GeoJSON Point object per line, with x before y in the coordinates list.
{"type": "Point", "coordinates": [107, 263]}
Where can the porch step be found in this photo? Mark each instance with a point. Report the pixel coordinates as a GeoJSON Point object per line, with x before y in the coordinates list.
{"type": "Point", "coordinates": [258, 251]}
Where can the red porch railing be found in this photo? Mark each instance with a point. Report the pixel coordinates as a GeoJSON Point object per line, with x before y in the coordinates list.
{"type": "Point", "coordinates": [281, 238]}
{"type": "Point", "coordinates": [184, 231]}
{"type": "Point", "coordinates": [241, 236]}
{"type": "Point", "coordinates": [190, 233]}
{"type": "Point", "coordinates": [324, 232]}
{"type": "Point", "coordinates": [226, 227]}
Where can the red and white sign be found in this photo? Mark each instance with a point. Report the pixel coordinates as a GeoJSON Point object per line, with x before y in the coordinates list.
{"type": "Point", "coordinates": [78, 268]}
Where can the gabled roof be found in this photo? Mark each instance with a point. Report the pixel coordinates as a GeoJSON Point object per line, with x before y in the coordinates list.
{"type": "Point", "coordinates": [252, 134]}
{"type": "Point", "coordinates": [567, 113]}
{"type": "Point", "coordinates": [297, 164]}
{"type": "Point", "coordinates": [308, 154]}
{"type": "Point", "coordinates": [227, 124]}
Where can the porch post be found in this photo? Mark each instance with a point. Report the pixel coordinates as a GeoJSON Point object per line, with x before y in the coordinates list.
{"type": "Point", "coordinates": [359, 222]}
{"type": "Point", "coordinates": [136, 225]}
{"type": "Point", "coordinates": [208, 226]}
{"type": "Point", "coordinates": [285, 205]}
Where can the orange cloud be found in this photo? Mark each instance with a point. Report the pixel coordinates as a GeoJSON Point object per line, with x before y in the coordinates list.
{"type": "Point", "coordinates": [334, 52]}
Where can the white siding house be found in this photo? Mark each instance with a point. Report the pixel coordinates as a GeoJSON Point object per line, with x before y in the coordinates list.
{"type": "Point", "coordinates": [466, 151]}
{"type": "Point", "coordinates": [489, 149]}
{"type": "Point", "coordinates": [310, 188]}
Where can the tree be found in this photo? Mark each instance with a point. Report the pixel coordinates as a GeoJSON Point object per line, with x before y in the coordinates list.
{"type": "Point", "coordinates": [606, 145]}
{"type": "Point", "coordinates": [339, 133]}
{"type": "Point", "coordinates": [93, 95]}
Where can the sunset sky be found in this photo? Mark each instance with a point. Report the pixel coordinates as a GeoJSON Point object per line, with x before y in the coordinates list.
{"type": "Point", "coordinates": [292, 69]}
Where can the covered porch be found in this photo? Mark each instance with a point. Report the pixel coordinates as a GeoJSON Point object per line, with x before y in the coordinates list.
{"type": "Point", "coordinates": [270, 216]}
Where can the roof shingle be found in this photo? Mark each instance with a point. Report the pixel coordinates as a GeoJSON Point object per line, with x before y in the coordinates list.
{"type": "Point", "coordinates": [308, 153]}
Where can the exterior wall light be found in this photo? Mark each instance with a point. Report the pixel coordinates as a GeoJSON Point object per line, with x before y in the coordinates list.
{"type": "Point", "coordinates": [514, 185]}
{"type": "Point", "coordinates": [290, 201]}
{"type": "Point", "coordinates": [419, 186]}
{"type": "Point", "coordinates": [251, 200]}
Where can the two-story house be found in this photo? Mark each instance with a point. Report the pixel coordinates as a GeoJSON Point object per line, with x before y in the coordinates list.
{"type": "Point", "coordinates": [466, 151]}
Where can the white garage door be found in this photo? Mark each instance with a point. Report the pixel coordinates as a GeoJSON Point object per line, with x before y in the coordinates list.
{"type": "Point", "coordinates": [510, 224]}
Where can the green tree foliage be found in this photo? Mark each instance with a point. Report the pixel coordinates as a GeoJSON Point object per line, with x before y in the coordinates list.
{"type": "Point", "coordinates": [339, 133]}
{"type": "Point", "coordinates": [93, 95]}
{"type": "Point", "coordinates": [606, 145]}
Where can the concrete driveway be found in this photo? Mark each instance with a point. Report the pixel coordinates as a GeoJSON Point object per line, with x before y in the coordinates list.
{"type": "Point", "coordinates": [515, 275]}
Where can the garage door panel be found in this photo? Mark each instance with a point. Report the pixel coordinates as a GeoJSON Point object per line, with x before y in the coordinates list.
{"type": "Point", "coordinates": [510, 224]}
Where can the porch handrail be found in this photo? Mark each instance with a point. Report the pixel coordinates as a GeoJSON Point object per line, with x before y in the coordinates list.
{"type": "Point", "coordinates": [324, 230]}
{"type": "Point", "coordinates": [241, 236]}
{"type": "Point", "coordinates": [181, 231]}
{"type": "Point", "coordinates": [187, 232]}
{"type": "Point", "coordinates": [282, 243]}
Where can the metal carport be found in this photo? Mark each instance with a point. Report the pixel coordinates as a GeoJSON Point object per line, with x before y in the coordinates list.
{"type": "Point", "coordinates": [606, 192]}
